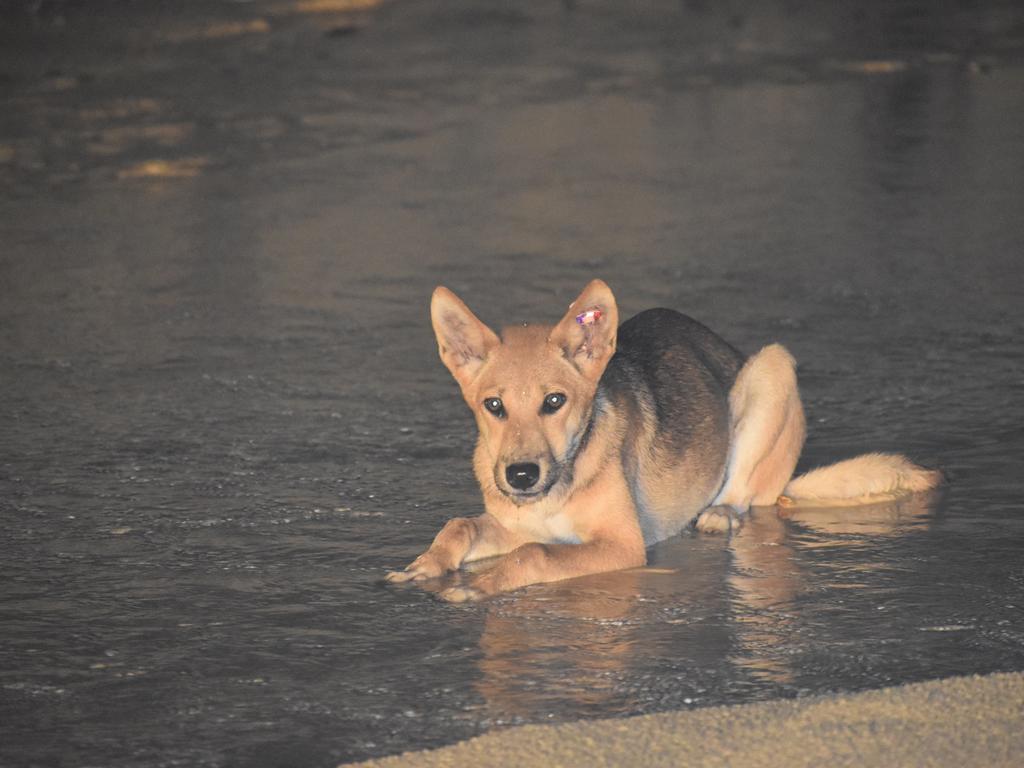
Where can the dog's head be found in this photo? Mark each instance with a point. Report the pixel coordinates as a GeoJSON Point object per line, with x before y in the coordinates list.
{"type": "Point", "coordinates": [531, 390]}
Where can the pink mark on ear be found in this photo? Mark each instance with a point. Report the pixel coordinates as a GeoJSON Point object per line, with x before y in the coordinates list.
{"type": "Point", "coordinates": [590, 317]}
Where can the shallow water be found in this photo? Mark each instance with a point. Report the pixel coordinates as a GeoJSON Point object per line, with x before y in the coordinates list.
{"type": "Point", "coordinates": [225, 418]}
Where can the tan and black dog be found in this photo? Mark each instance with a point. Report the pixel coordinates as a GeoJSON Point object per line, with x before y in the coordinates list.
{"type": "Point", "coordinates": [597, 441]}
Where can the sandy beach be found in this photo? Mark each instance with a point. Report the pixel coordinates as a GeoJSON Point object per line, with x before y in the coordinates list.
{"type": "Point", "coordinates": [961, 721]}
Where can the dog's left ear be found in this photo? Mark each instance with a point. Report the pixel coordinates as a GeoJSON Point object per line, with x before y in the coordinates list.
{"type": "Point", "coordinates": [588, 331]}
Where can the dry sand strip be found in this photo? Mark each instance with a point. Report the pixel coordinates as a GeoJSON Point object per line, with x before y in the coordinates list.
{"type": "Point", "coordinates": [958, 722]}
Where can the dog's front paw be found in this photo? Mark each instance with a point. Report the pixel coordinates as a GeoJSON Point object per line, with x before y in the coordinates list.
{"type": "Point", "coordinates": [480, 587]}
{"type": "Point", "coordinates": [462, 594]}
{"type": "Point", "coordinates": [426, 566]}
{"type": "Point", "coordinates": [718, 520]}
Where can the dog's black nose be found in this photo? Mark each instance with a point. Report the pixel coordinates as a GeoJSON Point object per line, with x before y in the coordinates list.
{"type": "Point", "coordinates": [522, 476]}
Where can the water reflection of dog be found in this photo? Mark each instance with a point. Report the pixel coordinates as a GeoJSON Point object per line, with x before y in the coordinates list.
{"type": "Point", "coordinates": [575, 648]}
{"type": "Point", "coordinates": [766, 576]}
{"type": "Point", "coordinates": [569, 640]}
{"type": "Point", "coordinates": [578, 647]}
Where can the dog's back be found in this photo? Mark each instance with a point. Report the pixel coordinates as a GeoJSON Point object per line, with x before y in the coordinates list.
{"type": "Point", "coordinates": [671, 377]}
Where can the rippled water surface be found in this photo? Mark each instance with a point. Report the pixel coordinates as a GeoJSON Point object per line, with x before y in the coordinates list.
{"type": "Point", "coordinates": [224, 417]}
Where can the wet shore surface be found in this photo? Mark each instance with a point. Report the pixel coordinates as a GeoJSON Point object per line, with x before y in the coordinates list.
{"type": "Point", "coordinates": [954, 721]}
{"type": "Point", "coordinates": [225, 417]}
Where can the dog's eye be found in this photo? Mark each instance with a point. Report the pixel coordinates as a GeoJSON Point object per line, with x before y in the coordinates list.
{"type": "Point", "coordinates": [553, 402]}
{"type": "Point", "coordinates": [495, 406]}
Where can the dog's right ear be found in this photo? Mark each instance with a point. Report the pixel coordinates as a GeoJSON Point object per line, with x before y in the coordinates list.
{"type": "Point", "coordinates": [462, 340]}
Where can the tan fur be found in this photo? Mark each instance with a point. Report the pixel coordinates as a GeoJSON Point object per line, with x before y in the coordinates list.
{"type": "Point", "coordinates": [590, 527]}
{"type": "Point", "coordinates": [768, 429]}
{"type": "Point", "coordinates": [582, 514]}
{"type": "Point", "coordinates": [866, 479]}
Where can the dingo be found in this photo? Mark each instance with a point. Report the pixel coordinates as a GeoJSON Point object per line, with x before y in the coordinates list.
{"type": "Point", "coordinates": [597, 441]}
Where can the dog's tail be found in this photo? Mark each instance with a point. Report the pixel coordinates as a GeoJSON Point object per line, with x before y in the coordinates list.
{"type": "Point", "coordinates": [865, 479]}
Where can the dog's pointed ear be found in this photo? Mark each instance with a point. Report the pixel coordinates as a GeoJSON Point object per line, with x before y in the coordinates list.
{"type": "Point", "coordinates": [588, 331]}
{"type": "Point", "coordinates": [462, 340]}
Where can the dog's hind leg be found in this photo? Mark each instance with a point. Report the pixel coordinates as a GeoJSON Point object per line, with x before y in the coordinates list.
{"type": "Point", "coordinates": [767, 434]}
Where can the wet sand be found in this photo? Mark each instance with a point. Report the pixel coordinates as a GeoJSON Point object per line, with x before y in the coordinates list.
{"type": "Point", "coordinates": [225, 419]}
{"type": "Point", "coordinates": [954, 722]}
